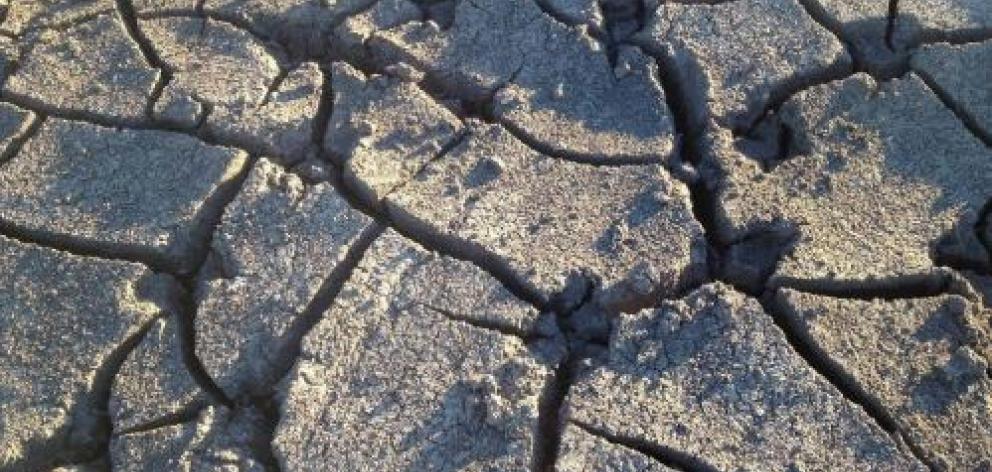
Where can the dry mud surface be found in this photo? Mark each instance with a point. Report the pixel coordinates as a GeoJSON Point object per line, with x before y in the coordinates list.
{"type": "Point", "coordinates": [496, 235]}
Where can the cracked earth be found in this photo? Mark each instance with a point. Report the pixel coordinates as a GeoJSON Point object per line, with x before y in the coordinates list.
{"type": "Point", "coordinates": [496, 235]}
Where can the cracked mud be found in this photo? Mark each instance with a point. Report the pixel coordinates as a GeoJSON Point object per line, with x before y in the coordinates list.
{"type": "Point", "coordinates": [496, 235]}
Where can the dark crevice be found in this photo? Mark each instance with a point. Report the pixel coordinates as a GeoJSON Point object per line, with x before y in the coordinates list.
{"type": "Point", "coordinates": [88, 248]}
{"type": "Point", "coordinates": [186, 332]}
{"type": "Point", "coordinates": [40, 107]}
{"type": "Point", "coordinates": [158, 89]}
{"type": "Point", "coordinates": [595, 30]}
{"type": "Point", "coordinates": [984, 230]}
{"type": "Point", "coordinates": [704, 210]}
{"type": "Point", "coordinates": [418, 230]}
{"type": "Point", "coordinates": [778, 308]}
{"type": "Point", "coordinates": [274, 85]}
{"type": "Point", "coordinates": [483, 109]}
{"type": "Point", "coordinates": [731, 261]}
{"type": "Point", "coordinates": [328, 292]}
{"type": "Point", "coordinates": [959, 110]}
{"type": "Point", "coordinates": [24, 48]}
{"type": "Point", "coordinates": [265, 404]}
{"type": "Point", "coordinates": [667, 456]}
{"type": "Point", "coordinates": [770, 142]}
{"type": "Point", "coordinates": [688, 108]}
{"type": "Point", "coordinates": [786, 150]}
{"type": "Point", "coordinates": [186, 320]}
{"type": "Point", "coordinates": [574, 156]}
{"type": "Point", "coordinates": [788, 89]}
{"type": "Point", "coordinates": [157, 260]}
{"type": "Point", "coordinates": [693, 277]}
{"type": "Point", "coordinates": [748, 263]}
{"type": "Point", "coordinates": [198, 132]}
{"type": "Point", "coordinates": [919, 35]}
{"type": "Point", "coordinates": [441, 12]}
{"type": "Point", "coordinates": [955, 37]}
{"type": "Point", "coordinates": [325, 108]}
{"type": "Point", "coordinates": [434, 239]}
{"type": "Point", "coordinates": [325, 111]}
{"type": "Point", "coordinates": [449, 146]}
{"type": "Point", "coordinates": [201, 121]}
{"type": "Point", "coordinates": [583, 322]}
{"type": "Point", "coordinates": [167, 72]}
{"type": "Point", "coordinates": [550, 421]}
{"type": "Point", "coordinates": [50, 112]}
{"type": "Point", "coordinates": [622, 20]}
{"type": "Point", "coordinates": [423, 233]}
{"type": "Point", "coordinates": [263, 398]}
{"type": "Point", "coordinates": [208, 217]}
{"type": "Point", "coordinates": [185, 415]}
{"type": "Point", "coordinates": [821, 362]}
{"type": "Point", "coordinates": [480, 323]}
{"type": "Point", "coordinates": [285, 357]}
{"type": "Point", "coordinates": [548, 9]}
{"type": "Point", "coordinates": [890, 24]}
{"type": "Point", "coordinates": [980, 265]}
{"type": "Point", "coordinates": [902, 34]}
{"type": "Point", "coordinates": [431, 238]}
{"type": "Point", "coordinates": [357, 188]}
{"type": "Point", "coordinates": [130, 19]}
{"type": "Point", "coordinates": [585, 330]}
{"type": "Point", "coordinates": [689, 115]}
{"type": "Point", "coordinates": [18, 141]}
{"type": "Point", "coordinates": [979, 259]}
{"type": "Point", "coordinates": [260, 443]}
{"type": "Point", "coordinates": [12, 64]}
{"type": "Point", "coordinates": [95, 424]}
{"type": "Point", "coordinates": [820, 16]}
{"type": "Point", "coordinates": [894, 288]}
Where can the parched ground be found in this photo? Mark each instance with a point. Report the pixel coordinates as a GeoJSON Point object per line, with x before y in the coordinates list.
{"type": "Point", "coordinates": [496, 235]}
